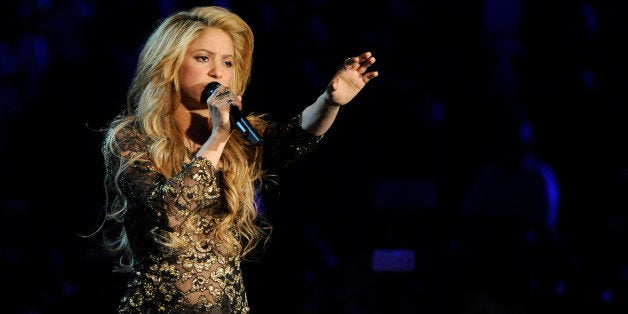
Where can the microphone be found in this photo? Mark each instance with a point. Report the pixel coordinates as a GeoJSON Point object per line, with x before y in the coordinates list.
{"type": "Point", "coordinates": [235, 116]}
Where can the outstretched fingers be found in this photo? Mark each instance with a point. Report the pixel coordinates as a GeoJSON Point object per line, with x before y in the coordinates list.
{"type": "Point", "coordinates": [365, 60]}
{"type": "Point", "coordinates": [369, 75]}
{"type": "Point", "coordinates": [361, 64]}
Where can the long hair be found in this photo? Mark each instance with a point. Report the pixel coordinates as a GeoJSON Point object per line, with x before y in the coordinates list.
{"type": "Point", "coordinates": [152, 98]}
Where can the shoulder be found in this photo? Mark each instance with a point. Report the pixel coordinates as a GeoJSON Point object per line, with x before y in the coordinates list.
{"type": "Point", "coordinates": [125, 135]}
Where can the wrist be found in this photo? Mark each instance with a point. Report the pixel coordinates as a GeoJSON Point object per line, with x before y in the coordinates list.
{"type": "Point", "coordinates": [328, 102]}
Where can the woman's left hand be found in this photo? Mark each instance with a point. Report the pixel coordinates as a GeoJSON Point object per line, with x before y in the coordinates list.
{"type": "Point", "coordinates": [350, 78]}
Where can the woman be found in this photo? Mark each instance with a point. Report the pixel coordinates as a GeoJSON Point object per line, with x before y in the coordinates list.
{"type": "Point", "coordinates": [181, 185]}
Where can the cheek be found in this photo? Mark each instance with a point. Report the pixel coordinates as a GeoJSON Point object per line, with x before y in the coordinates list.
{"type": "Point", "coordinates": [182, 77]}
{"type": "Point", "coordinates": [189, 80]}
{"type": "Point", "coordinates": [187, 75]}
{"type": "Point", "coordinates": [187, 84]}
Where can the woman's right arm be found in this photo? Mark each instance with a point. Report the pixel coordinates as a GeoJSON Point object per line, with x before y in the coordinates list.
{"type": "Point", "coordinates": [195, 186]}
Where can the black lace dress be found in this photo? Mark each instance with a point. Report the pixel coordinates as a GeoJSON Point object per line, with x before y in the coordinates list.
{"type": "Point", "coordinates": [199, 279]}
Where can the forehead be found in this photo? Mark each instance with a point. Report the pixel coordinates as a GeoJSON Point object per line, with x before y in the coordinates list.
{"type": "Point", "coordinates": [213, 39]}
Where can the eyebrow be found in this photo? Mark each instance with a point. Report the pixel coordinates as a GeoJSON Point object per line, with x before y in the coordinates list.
{"type": "Point", "coordinates": [211, 53]}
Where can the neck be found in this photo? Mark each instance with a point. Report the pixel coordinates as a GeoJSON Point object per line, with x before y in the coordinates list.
{"type": "Point", "coordinates": [194, 125]}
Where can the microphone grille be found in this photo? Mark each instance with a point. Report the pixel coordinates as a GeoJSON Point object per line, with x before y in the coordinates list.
{"type": "Point", "coordinates": [208, 91]}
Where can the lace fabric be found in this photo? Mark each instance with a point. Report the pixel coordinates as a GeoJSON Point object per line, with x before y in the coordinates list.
{"type": "Point", "coordinates": [200, 278]}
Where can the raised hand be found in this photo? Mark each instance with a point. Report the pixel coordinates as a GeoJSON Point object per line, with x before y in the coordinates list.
{"type": "Point", "coordinates": [350, 78]}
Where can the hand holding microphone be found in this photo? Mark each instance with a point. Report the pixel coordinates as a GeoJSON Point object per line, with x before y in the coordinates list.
{"type": "Point", "coordinates": [238, 120]}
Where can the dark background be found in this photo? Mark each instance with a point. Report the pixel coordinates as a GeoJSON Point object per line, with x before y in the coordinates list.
{"type": "Point", "coordinates": [491, 149]}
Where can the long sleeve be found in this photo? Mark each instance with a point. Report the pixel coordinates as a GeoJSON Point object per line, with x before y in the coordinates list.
{"type": "Point", "coordinates": [285, 143]}
{"type": "Point", "coordinates": [196, 277]}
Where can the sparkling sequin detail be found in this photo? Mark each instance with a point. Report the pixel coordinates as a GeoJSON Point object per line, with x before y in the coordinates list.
{"type": "Point", "coordinates": [197, 278]}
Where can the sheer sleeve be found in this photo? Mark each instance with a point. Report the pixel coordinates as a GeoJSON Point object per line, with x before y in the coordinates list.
{"type": "Point", "coordinates": [285, 143]}
{"type": "Point", "coordinates": [197, 274]}
{"type": "Point", "coordinates": [169, 201]}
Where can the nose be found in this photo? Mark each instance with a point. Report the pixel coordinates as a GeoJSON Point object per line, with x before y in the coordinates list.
{"type": "Point", "coordinates": [215, 71]}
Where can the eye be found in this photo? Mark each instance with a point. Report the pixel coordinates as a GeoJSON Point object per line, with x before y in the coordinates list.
{"type": "Point", "coordinates": [202, 58]}
{"type": "Point", "coordinates": [228, 63]}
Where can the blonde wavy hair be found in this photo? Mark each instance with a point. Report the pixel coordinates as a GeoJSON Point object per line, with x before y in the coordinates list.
{"type": "Point", "coordinates": [152, 98]}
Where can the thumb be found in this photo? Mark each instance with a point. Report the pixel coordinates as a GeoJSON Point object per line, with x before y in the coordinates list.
{"type": "Point", "coordinates": [333, 84]}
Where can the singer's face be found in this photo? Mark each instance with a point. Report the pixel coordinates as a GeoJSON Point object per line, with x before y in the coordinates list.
{"type": "Point", "coordinates": [209, 58]}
